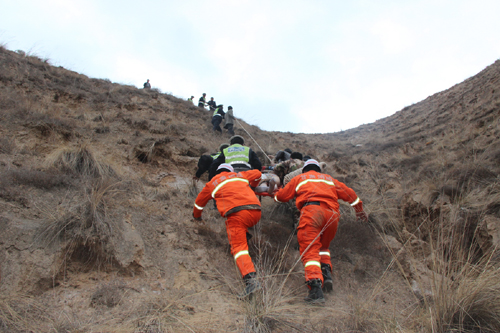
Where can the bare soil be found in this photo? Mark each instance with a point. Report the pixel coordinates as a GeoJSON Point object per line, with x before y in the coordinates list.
{"type": "Point", "coordinates": [96, 199]}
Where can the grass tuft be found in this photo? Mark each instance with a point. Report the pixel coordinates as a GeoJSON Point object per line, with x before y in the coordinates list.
{"type": "Point", "coordinates": [85, 229]}
{"type": "Point", "coordinates": [80, 160]}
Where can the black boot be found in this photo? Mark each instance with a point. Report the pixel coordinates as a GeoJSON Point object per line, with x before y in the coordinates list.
{"type": "Point", "coordinates": [315, 293]}
{"type": "Point", "coordinates": [251, 285]}
{"type": "Point", "coordinates": [327, 277]}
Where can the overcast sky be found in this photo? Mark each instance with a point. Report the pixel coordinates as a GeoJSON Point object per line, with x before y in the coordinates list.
{"type": "Point", "coordinates": [301, 66]}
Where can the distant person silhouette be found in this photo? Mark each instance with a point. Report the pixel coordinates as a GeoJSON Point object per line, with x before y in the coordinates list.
{"type": "Point", "coordinates": [147, 85]}
{"type": "Point", "coordinates": [229, 118]}
{"type": "Point", "coordinates": [202, 101]}
{"type": "Point", "coordinates": [211, 103]}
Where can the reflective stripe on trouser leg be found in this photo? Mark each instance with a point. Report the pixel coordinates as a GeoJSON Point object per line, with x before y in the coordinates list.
{"type": "Point", "coordinates": [237, 255]}
{"type": "Point", "coordinates": [330, 229]}
{"type": "Point", "coordinates": [237, 225]}
{"type": "Point", "coordinates": [316, 230]}
{"type": "Point", "coordinates": [315, 263]}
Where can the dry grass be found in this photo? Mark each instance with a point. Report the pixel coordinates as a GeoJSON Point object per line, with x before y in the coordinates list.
{"type": "Point", "coordinates": [85, 229]}
{"type": "Point", "coordinates": [456, 275]}
{"type": "Point", "coordinates": [21, 313]}
{"type": "Point", "coordinates": [80, 160]}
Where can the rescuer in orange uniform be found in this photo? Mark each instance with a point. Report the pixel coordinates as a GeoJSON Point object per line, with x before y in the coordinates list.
{"type": "Point", "coordinates": [238, 203]}
{"type": "Point", "coordinates": [317, 199]}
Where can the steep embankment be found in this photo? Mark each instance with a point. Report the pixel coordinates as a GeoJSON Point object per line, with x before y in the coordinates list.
{"type": "Point", "coordinates": [96, 200]}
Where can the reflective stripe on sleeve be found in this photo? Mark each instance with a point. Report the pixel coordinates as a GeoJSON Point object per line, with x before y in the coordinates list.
{"type": "Point", "coordinates": [324, 253]}
{"type": "Point", "coordinates": [237, 255]}
{"type": "Point", "coordinates": [199, 207]}
{"type": "Point", "coordinates": [228, 181]}
{"type": "Point", "coordinates": [314, 181]}
{"type": "Point", "coordinates": [310, 263]}
{"type": "Point", "coordinates": [355, 202]}
{"type": "Point", "coordinates": [276, 198]}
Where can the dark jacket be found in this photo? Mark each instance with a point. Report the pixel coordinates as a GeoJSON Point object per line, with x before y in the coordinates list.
{"type": "Point", "coordinates": [204, 164]}
{"type": "Point", "coordinates": [218, 112]}
{"type": "Point", "coordinates": [253, 160]}
{"type": "Point", "coordinates": [281, 156]}
{"type": "Point", "coordinates": [212, 105]}
{"type": "Point", "coordinates": [201, 102]}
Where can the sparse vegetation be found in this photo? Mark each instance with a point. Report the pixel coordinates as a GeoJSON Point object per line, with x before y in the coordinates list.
{"type": "Point", "coordinates": [96, 198]}
{"type": "Point", "coordinates": [79, 160]}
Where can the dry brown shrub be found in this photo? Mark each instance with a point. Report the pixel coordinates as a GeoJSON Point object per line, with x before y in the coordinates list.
{"type": "Point", "coordinates": [80, 160]}
{"type": "Point", "coordinates": [462, 284]}
{"type": "Point", "coordinates": [470, 176]}
{"type": "Point", "coordinates": [21, 313]}
{"type": "Point", "coordinates": [46, 125]}
{"type": "Point", "coordinates": [85, 229]}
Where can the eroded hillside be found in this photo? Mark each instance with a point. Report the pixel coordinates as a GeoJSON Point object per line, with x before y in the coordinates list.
{"type": "Point", "coordinates": [96, 199]}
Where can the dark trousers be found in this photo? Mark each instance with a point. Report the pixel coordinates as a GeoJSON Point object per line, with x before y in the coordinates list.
{"type": "Point", "coordinates": [229, 128]}
{"type": "Point", "coordinates": [216, 120]}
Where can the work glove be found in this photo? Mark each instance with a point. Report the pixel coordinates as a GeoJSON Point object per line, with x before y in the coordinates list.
{"type": "Point", "coordinates": [360, 213]}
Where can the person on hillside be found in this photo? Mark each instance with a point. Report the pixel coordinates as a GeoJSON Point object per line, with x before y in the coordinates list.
{"type": "Point", "coordinates": [202, 102]}
{"type": "Point", "coordinates": [191, 99]}
{"type": "Point", "coordinates": [284, 168]}
{"type": "Point", "coordinates": [240, 157]}
{"type": "Point", "coordinates": [217, 117]}
{"type": "Point", "coordinates": [229, 120]}
{"type": "Point", "coordinates": [211, 104]}
{"type": "Point", "coordinates": [282, 155]}
{"type": "Point", "coordinates": [206, 160]}
{"type": "Point", "coordinates": [238, 204]}
{"type": "Point", "coordinates": [147, 85]}
{"type": "Point", "coordinates": [317, 197]}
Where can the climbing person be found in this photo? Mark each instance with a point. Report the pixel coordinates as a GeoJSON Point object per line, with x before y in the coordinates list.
{"type": "Point", "coordinates": [211, 104]}
{"type": "Point", "coordinates": [240, 157]}
{"type": "Point", "coordinates": [285, 167]}
{"type": "Point", "coordinates": [281, 170]}
{"type": "Point", "coordinates": [147, 85]}
{"type": "Point", "coordinates": [229, 120]}
{"type": "Point", "coordinates": [317, 197]}
{"type": "Point", "coordinates": [202, 101]}
{"type": "Point", "coordinates": [191, 99]}
{"type": "Point", "coordinates": [282, 155]}
{"type": "Point", "coordinates": [206, 160]}
{"type": "Point", "coordinates": [217, 117]}
{"type": "Point", "coordinates": [238, 204]}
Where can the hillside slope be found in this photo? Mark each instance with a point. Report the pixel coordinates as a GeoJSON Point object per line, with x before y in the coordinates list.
{"type": "Point", "coordinates": [96, 199]}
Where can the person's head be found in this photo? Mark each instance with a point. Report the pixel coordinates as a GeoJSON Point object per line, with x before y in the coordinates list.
{"type": "Point", "coordinates": [204, 94]}
{"type": "Point", "coordinates": [220, 106]}
{"type": "Point", "coordinates": [211, 98]}
{"type": "Point", "coordinates": [229, 107]}
{"type": "Point", "coordinates": [296, 155]}
{"type": "Point", "coordinates": [192, 96]}
{"type": "Point", "coordinates": [237, 139]}
{"type": "Point", "coordinates": [148, 80]}
{"type": "Point", "coordinates": [288, 150]}
{"type": "Point", "coordinates": [224, 167]}
{"type": "Point", "coordinates": [307, 157]}
{"type": "Point", "coordinates": [223, 146]}
{"type": "Point", "coordinates": [311, 165]}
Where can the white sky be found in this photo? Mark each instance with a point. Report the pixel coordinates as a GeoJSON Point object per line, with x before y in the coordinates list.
{"type": "Point", "coordinates": [310, 66]}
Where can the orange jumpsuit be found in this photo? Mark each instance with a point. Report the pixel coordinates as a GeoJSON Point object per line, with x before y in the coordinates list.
{"type": "Point", "coordinates": [317, 198]}
{"type": "Point", "coordinates": [238, 203]}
